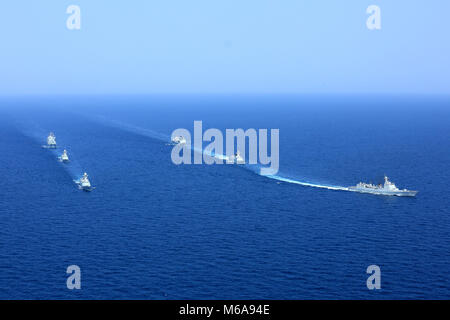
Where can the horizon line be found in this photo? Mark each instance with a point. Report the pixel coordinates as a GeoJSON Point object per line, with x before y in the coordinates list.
{"type": "Point", "coordinates": [24, 95]}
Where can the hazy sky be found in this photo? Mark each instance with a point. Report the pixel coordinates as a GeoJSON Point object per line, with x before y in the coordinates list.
{"type": "Point", "coordinates": [224, 46]}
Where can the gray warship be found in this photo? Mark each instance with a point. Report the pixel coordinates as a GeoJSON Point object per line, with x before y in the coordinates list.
{"type": "Point", "coordinates": [388, 189]}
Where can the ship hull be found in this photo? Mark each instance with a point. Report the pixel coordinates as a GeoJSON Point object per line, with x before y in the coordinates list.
{"type": "Point", "coordinates": [86, 188]}
{"type": "Point", "coordinates": [399, 193]}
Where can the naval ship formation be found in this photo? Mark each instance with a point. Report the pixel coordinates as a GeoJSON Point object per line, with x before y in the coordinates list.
{"type": "Point", "coordinates": [388, 188]}
{"type": "Point", "coordinates": [83, 183]}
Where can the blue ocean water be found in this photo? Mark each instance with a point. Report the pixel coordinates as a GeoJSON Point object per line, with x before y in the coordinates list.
{"type": "Point", "coordinates": [154, 230]}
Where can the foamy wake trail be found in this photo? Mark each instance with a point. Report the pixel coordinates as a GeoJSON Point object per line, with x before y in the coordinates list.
{"type": "Point", "coordinates": [133, 129]}
{"type": "Point", "coordinates": [257, 169]}
{"type": "Point", "coordinates": [149, 133]}
{"type": "Point", "coordinates": [253, 168]}
{"type": "Point", "coordinates": [38, 134]}
{"type": "Point", "coordinates": [307, 184]}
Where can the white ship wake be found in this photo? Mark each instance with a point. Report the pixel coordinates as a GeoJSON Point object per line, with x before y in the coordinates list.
{"type": "Point", "coordinates": [361, 188]}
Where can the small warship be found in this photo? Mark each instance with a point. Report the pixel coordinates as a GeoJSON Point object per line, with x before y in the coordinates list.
{"type": "Point", "coordinates": [84, 183]}
{"type": "Point", "coordinates": [51, 141]}
{"type": "Point", "coordinates": [179, 140]}
{"type": "Point", "coordinates": [64, 157]}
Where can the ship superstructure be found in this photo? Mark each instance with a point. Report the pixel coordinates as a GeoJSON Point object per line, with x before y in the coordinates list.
{"type": "Point", "coordinates": [64, 157]}
{"type": "Point", "coordinates": [51, 141]}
